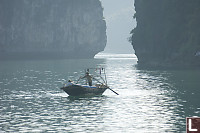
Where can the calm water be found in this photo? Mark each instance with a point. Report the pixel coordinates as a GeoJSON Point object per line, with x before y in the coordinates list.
{"type": "Point", "coordinates": [149, 100]}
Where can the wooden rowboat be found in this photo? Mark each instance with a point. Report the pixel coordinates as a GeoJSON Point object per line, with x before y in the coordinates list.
{"type": "Point", "coordinates": [75, 89]}
{"type": "Point", "coordinates": [78, 90]}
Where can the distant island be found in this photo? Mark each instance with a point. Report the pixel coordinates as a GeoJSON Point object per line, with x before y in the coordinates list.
{"type": "Point", "coordinates": [51, 29]}
{"type": "Point", "coordinates": [167, 33]}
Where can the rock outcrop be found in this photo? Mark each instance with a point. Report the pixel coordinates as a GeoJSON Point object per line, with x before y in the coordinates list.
{"type": "Point", "coordinates": [51, 28]}
{"type": "Point", "coordinates": [167, 32]}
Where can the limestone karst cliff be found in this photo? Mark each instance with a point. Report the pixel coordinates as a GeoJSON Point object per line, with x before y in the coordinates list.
{"type": "Point", "coordinates": [167, 32]}
{"type": "Point", "coordinates": [51, 28]}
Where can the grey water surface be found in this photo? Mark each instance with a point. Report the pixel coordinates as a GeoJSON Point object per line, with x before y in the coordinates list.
{"type": "Point", "coordinates": [149, 101]}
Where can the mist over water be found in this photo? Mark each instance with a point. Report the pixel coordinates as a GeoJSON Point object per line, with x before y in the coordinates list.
{"type": "Point", "coordinates": [149, 100]}
{"type": "Point", "coordinates": [118, 16]}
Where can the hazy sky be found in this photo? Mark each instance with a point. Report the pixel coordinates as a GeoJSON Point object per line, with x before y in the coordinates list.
{"type": "Point", "coordinates": [119, 20]}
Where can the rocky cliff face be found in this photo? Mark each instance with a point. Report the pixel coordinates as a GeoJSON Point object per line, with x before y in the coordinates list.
{"type": "Point", "coordinates": [51, 28]}
{"type": "Point", "coordinates": [167, 32]}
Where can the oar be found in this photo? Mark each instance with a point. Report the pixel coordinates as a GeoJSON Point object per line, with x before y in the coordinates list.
{"type": "Point", "coordinates": [112, 90]}
{"type": "Point", "coordinates": [107, 87]}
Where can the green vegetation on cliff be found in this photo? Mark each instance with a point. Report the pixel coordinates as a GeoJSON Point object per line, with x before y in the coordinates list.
{"type": "Point", "coordinates": [167, 32]}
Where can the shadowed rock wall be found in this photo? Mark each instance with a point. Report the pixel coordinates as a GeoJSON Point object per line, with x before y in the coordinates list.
{"type": "Point", "coordinates": [51, 28]}
{"type": "Point", "coordinates": [167, 32]}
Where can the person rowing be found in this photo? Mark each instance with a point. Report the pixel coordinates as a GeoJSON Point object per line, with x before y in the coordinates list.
{"type": "Point", "coordinates": [88, 77]}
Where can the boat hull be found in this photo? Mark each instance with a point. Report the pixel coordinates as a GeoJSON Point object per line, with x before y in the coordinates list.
{"type": "Point", "coordinates": [78, 90]}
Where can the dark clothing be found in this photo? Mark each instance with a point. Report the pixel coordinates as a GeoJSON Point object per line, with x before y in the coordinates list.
{"type": "Point", "coordinates": [89, 79]}
{"type": "Point", "coordinates": [90, 83]}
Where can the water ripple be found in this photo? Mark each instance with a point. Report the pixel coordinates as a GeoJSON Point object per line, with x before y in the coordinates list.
{"type": "Point", "coordinates": [149, 100]}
